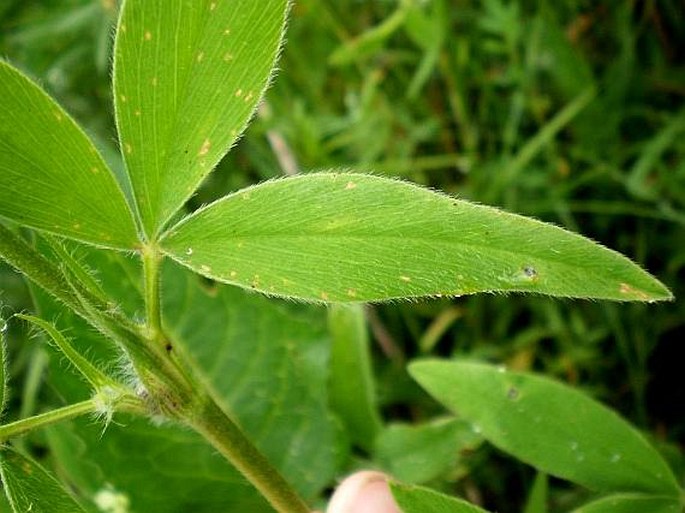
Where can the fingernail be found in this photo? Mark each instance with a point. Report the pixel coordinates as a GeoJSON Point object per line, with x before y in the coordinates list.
{"type": "Point", "coordinates": [363, 492]}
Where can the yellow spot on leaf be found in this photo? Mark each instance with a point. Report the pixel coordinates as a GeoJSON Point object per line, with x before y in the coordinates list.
{"type": "Point", "coordinates": [228, 56]}
{"type": "Point", "coordinates": [58, 116]}
{"type": "Point", "coordinates": [212, 6]}
{"type": "Point", "coordinates": [94, 170]}
{"type": "Point", "coordinates": [351, 292]}
{"type": "Point", "coordinates": [233, 274]}
{"type": "Point", "coordinates": [122, 28]}
{"type": "Point", "coordinates": [624, 288]}
{"type": "Point", "coordinates": [238, 93]}
{"type": "Point", "coordinates": [148, 35]}
{"type": "Point", "coordinates": [405, 278]}
{"type": "Point", "coordinates": [204, 149]}
{"type": "Point", "coordinates": [123, 98]}
{"type": "Point", "coordinates": [205, 269]}
{"type": "Point", "coordinates": [200, 56]}
{"type": "Point", "coordinates": [227, 32]}
{"type": "Point", "coordinates": [136, 113]}
{"type": "Point", "coordinates": [350, 185]}
{"type": "Point", "coordinates": [324, 296]}
{"type": "Point", "coordinates": [249, 96]}
{"type": "Point", "coordinates": [128, 148]}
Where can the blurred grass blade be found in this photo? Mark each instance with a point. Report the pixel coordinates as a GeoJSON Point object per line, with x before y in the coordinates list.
{"type": "Point", "coordinates": [351, 384]}
{"type": "Point", "coordinates": [30, 488]}
{"type": "Point", "coordinates": [551, 426]}
{"type": "Point", "coordinates": [537, 498]}
{"type": "Point", "coordinates": [3, 364]}
{"type": "Point", "coordinates": [416, 499]}
{"type": "Point", "coordinates": [631, 503]}
{"type": "Point", "coordinates": [51, 176]}
{"type": "Point", "coordinates": [187, 78]}
{"type": "Point", "coordinates": [350, 237]}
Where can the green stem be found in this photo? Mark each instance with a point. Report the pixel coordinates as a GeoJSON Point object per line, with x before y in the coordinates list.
{"type": "Point", "coordinates": [187, 399]}
{"type": "Point", "coordinates": [151, 261]}
{"type": "Point", "coordinates": [229, 439]}
{"type": "Point", "coordinates": [20, 427]}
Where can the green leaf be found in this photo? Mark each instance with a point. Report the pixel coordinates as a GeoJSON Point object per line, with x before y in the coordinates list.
{"type": "Point", "coordinates": [418, 454]}
{"type": "Point", "coordinates": [416, 499]}
{"type": "Point", "coordinates": [187, 78]}
{"type": "Point", "coordinates": [551, 426]}
{"type": "Point", "coordinates": [30, 488]}
{"type": "Point", "coordinates": [51, 176]}
{"type": "Point", "coordinates": [631, 503]}
{"type": "Point", "coordinates": [149, 467]}
{"type": "Point", "coordinates": [351, 383]}
{"type": "Point", "coordinates": [350, 237]}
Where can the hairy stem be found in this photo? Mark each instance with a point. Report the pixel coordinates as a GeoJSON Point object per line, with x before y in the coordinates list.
{"type": "Point", "coordinates": [151, 268]}
{"type": "Point", "coordinates": [180, 395]}
{"type": "Point", "coordinates": [22, 426]}
{"type": "Point", "coordinates": [229, 439]}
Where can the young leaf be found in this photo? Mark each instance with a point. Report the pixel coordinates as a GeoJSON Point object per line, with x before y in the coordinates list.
{"type": "Point", "coordinates": [551, 426]}
{"type": "Point", "coordinates": [631, 503]}
{"type": "Point", "coordinates": [187, 77]}
{"type": "Point", "coordinates": [29, 487]}
{"type": "Point", "coordinates": [416, 499]}
{"type": "Point", "coordinates": [51, 176]}
{"type": "Point", "coordinates": [350, 237]}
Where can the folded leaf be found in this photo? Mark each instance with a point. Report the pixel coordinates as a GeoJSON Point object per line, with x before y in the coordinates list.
{"type": "Point", "coordinates": [51, 176]}
{"type": "Point", "coordinates": [415, 499]}
{"type": "Point", "coordinates": [351, 237]}
{"type": "Point", "coordinates": [551, 426]}
{"type": "Point", "coordinates": [187, 77]}
{"type": "Point", "coordinates": [30, 488]}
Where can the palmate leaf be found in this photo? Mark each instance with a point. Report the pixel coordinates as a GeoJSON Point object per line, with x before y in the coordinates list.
{"type": "Point", "coordinates": [30, 488]}
{"type": "Point", "coordinates": [51, 176]}
{"type": "Point", "coordinates": [187, 77]}
{"type": "Point", "coordinates": [550, 426]}
{"type": "Point", "coordinates": [350, 237]}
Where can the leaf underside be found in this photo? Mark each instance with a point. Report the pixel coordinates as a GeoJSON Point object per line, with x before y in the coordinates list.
{"type": "Point", "coordinates": [350, 237]}
{"type": "Point", "coordinates": [30, 488]}
{"type": "Point", "coordinates": [187, 77]}
{"type": "Point", "coordinates": [51, 176]}
{"type": "Point", "coordinates": [551, 426]}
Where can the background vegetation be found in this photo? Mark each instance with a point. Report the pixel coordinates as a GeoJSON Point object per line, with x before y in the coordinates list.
{"type": "Point", "coordinates": [569, 111]}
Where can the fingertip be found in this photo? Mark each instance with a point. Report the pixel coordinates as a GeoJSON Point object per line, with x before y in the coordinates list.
{"type": "Point", "coordinates": [363, 492]}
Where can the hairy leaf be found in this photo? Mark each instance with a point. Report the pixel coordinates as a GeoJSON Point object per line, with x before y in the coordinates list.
{"type": "Point", "coordinates": [51, 176]}
{"type": "Point", "coordinates": [30, 488]}
{"type": "Point", "coordinates": [350, 237]}
{"type": "Point", "coordinates": [549, 425]}
{"type": "Point", "coordinates": [416, 499]}
{"type": "Point", "coordinates": [187, 77]}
